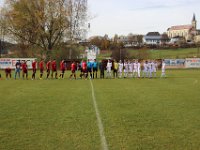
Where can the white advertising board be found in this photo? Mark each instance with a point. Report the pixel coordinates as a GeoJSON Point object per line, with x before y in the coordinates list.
{"type": "Point", "coordinates": [10, 62]}
{"type": "Point", "coordinates": [192, 63]}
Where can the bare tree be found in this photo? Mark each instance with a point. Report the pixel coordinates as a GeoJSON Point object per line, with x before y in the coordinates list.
{"type": "Point", "coordinates": [45, 23]}
{"type": "Point", "coordinates": [77, 10]}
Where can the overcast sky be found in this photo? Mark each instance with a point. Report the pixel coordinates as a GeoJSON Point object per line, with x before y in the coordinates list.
{"type": "Point", "coordinates": [1, 2]}
{"type": "Point", "coordinates": [140, 16]}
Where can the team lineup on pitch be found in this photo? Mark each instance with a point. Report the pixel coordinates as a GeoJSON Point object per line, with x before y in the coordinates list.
{"type": "Point", "coordinates": [90, 69]}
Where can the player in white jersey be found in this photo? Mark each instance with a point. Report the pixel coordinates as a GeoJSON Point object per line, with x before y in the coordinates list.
{"type": "Point", "coordinates": [120, 69]}
{"type": "Point", "coordinates": [145, 69]}
{"type": "Point", "coordinates": [154, 68]}
{"type": "Point", "coordinates": [125, 69]}
{"type": "Point", "coordinates": [135, 68]}
{"type": "Point", "coordinates": [163, 69]}
{"type": "Point", "coordinates": [149, 69]}
{"type": "Point", "coordinates": [108, 67]}
{"type": "Point", "coordinates": [138, 69]}
{"type": "Point", "coordinates": [130, 69]}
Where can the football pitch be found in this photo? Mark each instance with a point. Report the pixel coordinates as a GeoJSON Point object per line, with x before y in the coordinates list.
{"type": "Point", "coordinates": [114, 114]}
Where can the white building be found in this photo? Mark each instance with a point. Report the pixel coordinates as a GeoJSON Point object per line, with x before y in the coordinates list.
{"type": "Point", "coordinates": [186, 31]}
{"type": "Point", "coordinates": [155, 38]}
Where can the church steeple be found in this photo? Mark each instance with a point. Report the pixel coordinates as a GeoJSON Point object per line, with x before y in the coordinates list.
{"type": "Point", "coordinates": [194, 22]}
{"type": "Point", "coordinates": [194, 17]}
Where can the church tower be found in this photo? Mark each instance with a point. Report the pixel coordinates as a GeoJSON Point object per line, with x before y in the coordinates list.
{"type": "Point", "coordinates": [194, 22]}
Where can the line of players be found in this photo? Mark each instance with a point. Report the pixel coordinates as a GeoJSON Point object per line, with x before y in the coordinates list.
{"type": "Point", "coordinates": [134, 68]}
{"type": "Point", "coordinates": [88, 69]}
{"type": "Point", "coordinates": [128, 69]}
{"type": "Point", "coordinates": [50, 66]}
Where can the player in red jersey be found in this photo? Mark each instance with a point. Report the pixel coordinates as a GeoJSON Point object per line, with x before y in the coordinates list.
{"type": "Point", "coordinates": [84, 69]}
{"type": "Point", "coordinates": [73, 70]}
{"type": "Point", "coordinates": [8, 72]}
{"type": "Point", "coordinates": [54, 69]}
{"type": "Point", "coordinates": [48, 67]}
{"type": "Point", "coordinates": [62, 69]}
{"type": "Point", "coordinates": [34, 69]}
{"type": "Point", "coordinates": [41, 66]}
{"type": "Point", "coordinates": [24, 70]}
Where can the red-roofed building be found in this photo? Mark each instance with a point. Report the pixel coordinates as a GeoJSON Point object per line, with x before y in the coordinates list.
{"type": "Point", "coordinates": [181, 27]}
{"type": "Point", "coordinates": [186, 31]}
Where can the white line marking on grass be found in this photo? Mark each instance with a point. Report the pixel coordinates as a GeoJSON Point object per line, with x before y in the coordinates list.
{"type": "Point", "coordinates": [99, 122]}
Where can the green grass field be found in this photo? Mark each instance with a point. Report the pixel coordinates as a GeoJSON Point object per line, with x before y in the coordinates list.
{"type": "Point", "coordinates": [141, 114]}
{"type": "Point", "coordinates": [162, 53]}
{"type": "Point", "coordinates": [171, 53]}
